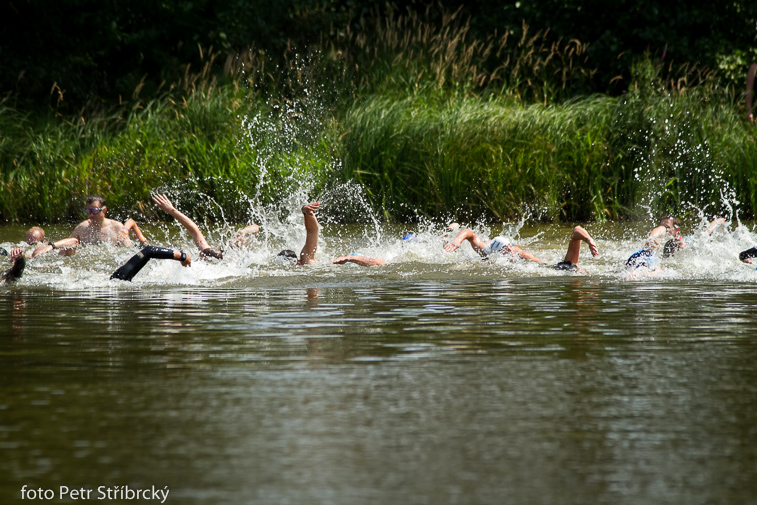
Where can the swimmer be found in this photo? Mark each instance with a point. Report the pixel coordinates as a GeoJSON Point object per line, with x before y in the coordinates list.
{"type": "Point", "coordinates": [19, 263]}
{"type": "Point", "coordinates": [748, 256]}
{"type": "Point", "coordinates": [245, 232]}
{"type": "Point", "coordinates": [97, 229]}
{"type": "Point", "coordinates": [307, 254]}
{"type": "Point", "coordinates": [504, 246]}
{"type": "Point", "coordinates": [499, 244]}
{"type": "Point", "coordinates": [570, 262]}
{"type": "Point", "coordinates": [452, 230]}
{"type": "Point", "coordinates": [647, 256]}
{"type": "Point", "coordinates": [166, 206]}
{"type": "Point", "coordinates": [675, 244]}
{"type": "Point", "coordinates": [139, 260]}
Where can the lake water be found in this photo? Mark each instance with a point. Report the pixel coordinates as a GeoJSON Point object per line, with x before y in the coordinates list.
{"type": "Point", "coordinates": [438, 378]}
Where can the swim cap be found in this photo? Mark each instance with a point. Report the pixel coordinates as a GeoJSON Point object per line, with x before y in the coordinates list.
{"type": "Point", "coordinates": [748, 254]}
{"type": "Point", "coordinates": [671, 247]}
{"type": "Point", "coordinates": [410, 237]}
{"type": "Point", "coordinates": [287, 256]}
{"type": "Point", "coordinates": [453, 228]}
{"type": "Point", "coordinates": [498, 244]}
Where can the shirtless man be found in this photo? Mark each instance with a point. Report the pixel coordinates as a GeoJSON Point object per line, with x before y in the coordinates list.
{"type": "Point", "coordinates": [503, 246]}
{"type": "Point", "coordinates": [97, 229]}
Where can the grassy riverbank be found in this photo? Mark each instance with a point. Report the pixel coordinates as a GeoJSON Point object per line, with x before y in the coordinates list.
{"type": "Point", "coordinates": [425, 122]}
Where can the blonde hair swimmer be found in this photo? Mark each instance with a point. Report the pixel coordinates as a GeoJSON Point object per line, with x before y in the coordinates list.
{"type": "Point", "coordinates": [34, 235]}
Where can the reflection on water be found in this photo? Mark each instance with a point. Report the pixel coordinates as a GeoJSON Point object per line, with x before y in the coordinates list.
{"type": "Point", "coordinates": [557, 389]}
{"type": "Point", "coordinates": [438, 378]}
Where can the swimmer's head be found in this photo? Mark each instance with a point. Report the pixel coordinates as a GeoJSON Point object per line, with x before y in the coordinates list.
{"type": "Point", "coordinates": [672, 224]}
{"type": "Point", "coordinates": [500, 245]}
{"type": "Point", "coordinates": [95, 208]}
{"type": "Point", "coordinates": [35, 235]}
{"type": "Point", "coordinates": [451, 231]}
{"type": "Point", "coordinates": [671, 247]}
{"type": "Point", "coordinates": [287, 256]}
{"type": "Point", "coordinates": [211, 252]}
{"type": "Point", "coordinates": [95, 200]}
{"type": "Point", "coordinates": [409, 237]}
{"type": "Point", "coordinates": [748, 255]}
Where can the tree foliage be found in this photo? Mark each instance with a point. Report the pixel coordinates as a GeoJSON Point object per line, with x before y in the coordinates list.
{"type": "Point", "coordinates": [89, 52]}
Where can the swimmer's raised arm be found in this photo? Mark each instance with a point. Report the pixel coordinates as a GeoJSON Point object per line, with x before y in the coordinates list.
{"type": "Point", "coordinates": [166, 206]}
{"type": "Point", "coordinates": [467, 234]}
{"type": "Point", "coordinates": [307, 255]}
{"type": "Point", "coordinates": [667, 224]}
{"type": "Point", "coordinates": [131, 225]}
{"type": "Point", "coordinates": [714, 224]}
{"type": "Point", "coordinates": [244, 232]}
{"type": "Point", "coordinates": [359, 260]}
{"type": "Point", "coordinates": [574, 245]}
{"type": "Point", "coordinates": [19, 263]}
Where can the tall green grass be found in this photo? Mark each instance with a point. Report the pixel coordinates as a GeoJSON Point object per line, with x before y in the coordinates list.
{"type": "Point", "coordinates": [194, 148]}
{"type": "Point", "coordinates": [428, 120]}
{"type": "Point", "coordinates": [661, 148]}
{"type": "Point", "coordinates": [480, 157]}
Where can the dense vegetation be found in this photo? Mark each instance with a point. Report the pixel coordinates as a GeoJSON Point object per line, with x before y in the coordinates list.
{"type": "Point", "coordinates": [433, 112]}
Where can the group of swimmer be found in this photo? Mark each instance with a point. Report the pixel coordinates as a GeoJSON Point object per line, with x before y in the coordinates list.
{"type": "Point", "coordinates": [97, 229]}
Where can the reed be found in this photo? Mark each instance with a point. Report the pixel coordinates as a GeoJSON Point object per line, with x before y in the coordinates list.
{"type": "Point", "coordinates": [428, 120]}
{"type": "Point", "coordinates": [478, 158]}
{"type": "Point", "coordinates": [665, 147]}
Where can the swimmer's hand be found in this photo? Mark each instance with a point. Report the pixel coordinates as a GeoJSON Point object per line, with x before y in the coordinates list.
{"type": "Point", "coordinates": [123, 235]}
{"type": "Point", "coordinates": [341, 260]}
{"type": "Point", "coordinates": [452, 246]}
{"type": "Point", "coordinates": [310, 208]}
{"type": "Point", "coordinates": [39, 251]}
{"type": "Point", "coordinates": [163, 203]}
{"type": "Point", "coordinates": [16, 253]}
{"type": "Point", "coordinates": [244, 233]}
{"type": "Point", "coordinates": [187, 262]}
{"type": "Point", "coordinates": [593, 248]}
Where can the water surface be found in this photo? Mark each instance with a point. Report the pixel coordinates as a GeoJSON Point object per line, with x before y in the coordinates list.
{"type": "Point", "coordinates": [436, 379]}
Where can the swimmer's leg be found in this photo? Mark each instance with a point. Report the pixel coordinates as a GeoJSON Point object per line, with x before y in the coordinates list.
{"type": "Point", "coordinates": [139, 260]}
